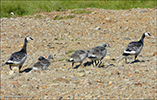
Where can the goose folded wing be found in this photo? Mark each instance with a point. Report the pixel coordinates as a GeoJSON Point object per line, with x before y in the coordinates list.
{"type": "Point", "coordinates": [100, 48]}
{"type": "Point", "coordinates": [17, 57]}
{"type": "Point", "coordinates": [133, 46]}
{"type": "Point", "coordinates": [79, 52]}
{"type": "Point", "coordinates": [44, 62]}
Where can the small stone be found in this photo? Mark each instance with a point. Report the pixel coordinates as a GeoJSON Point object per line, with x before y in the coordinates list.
{"type": "Point", "coordinates": [94, 12]}
{"type": "Point", "coordinates": [155, 53]}
{"type": "Point", "coordinates": [137, 83]}
{"type": "Point", "coordinates": [80, 74]}
{"type": "Point", "coordinates": [98, 28]}
{"type": "Point", "coordinates": [108, 18]}
{"type": "Point", "coordinates": [126, 29]}
{"type": "Point", "coordinates": [88, 72]}
{"type": "Point", "coordinates": [54, 84]}
{"type": "Point", "coordinates": [89, 96]}
{"type": "Point", "coordinates": [110, 82]}
{"type": "Point", "coordinates": [127, 38]}
{"type": "Point", "coordinates": [108, 72]}
{"type": "Point", "coordinates": [80, 71]}
{"type": "Point", "coordinates": [137, 71]}
{"type": "Point", "coordinates": [143, 65]}
{"type": "Point", "coordinates": [24, 85]}
{"type": "Point", "coordinates": [143, 11]}
{"type": "Point", "coordinates": [11, 72]}
{"type": "Point", "coordinates": [115, 72]}
{"type": "Point", "coordinates": [107, 57]}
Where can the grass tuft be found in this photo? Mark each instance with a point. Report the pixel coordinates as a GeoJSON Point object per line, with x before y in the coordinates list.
{"type": "Point", "coordinates": [22, 8]}
{"type": "Point", "coordinates": [70, 51]}
{"type": "Point", "coordinates": [81, 12]}
{"type": "Point", "coordinates": [63, 17]}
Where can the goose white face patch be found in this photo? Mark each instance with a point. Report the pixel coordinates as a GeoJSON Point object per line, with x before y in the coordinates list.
{"type": "Point", "coordinates": [29, 38]}
{"type": "Point", "coordinates": [147, 34]}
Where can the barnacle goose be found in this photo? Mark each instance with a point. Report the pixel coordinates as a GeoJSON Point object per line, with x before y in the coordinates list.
{"type": "Point", "coordinates": [97, 53]}
{"type": "Point", "coordinates": [135, 47]}
{"type": "Point", "coordinates": [18, 58]}
{"type": "Point", "coordinates": [78, 57]}
{"type": "Point", "coordinates": [43, 63]}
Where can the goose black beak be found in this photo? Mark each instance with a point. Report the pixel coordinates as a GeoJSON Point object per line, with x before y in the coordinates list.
{"type": "Point", "coordinates": [31, 38]}
{"type": "Point", "coordinates": [149, 34]}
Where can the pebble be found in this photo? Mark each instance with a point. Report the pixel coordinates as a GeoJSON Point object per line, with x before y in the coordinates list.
{"type": "Point", "coordinates": [143, 11]}
{"type": "Point", "coordinates": [115, 72]}
{"type": "Point", "coordinates": [108, 73]}
{"type": "Point", "coordinates": [108, 18]}
{"type": "Point", "coordinates": [127, 38]}
{"type": "Point", "coordinates": [11, 72]}
{"type": "Point", "coordinates": [98, 28]}
{"type": "Point", "coordinates": [107, 57]}
{"type": "Point", "coordinates": [80, 74]}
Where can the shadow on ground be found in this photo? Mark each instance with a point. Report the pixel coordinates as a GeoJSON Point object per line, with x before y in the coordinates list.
{"type": "Point", "coordinates": [26, 70]}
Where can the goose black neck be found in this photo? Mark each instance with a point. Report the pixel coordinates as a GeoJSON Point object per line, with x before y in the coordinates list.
{"type": "Point", "coordinates": [24, 46]}
{"type": "Point", "coordinates": [142, 38]}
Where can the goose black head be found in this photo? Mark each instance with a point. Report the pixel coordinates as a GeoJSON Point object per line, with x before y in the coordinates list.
{"type": "Point", "coordinates": [105, 45]}
{"type": "Point", "coordinates": [50, 57]}
{"type": "Point", "coordinates": [41, 58]}
{"type": "Point", "coordinates": [28, 38]}
{"type": "Point", "coordinates": [147, 34]}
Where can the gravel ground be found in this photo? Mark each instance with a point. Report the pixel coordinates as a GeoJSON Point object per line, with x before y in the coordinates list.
{"type": "Point", "coordinates": [114, 80]}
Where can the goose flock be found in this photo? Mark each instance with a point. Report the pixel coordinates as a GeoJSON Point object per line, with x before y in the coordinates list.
{"type": "Point", "coordinates": [95, 54]}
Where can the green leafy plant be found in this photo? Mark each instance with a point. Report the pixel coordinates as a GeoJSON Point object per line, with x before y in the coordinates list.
{"type": "Point", "coordinates": [79, 11]}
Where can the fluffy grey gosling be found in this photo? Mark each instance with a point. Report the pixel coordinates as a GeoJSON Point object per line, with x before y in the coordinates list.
{"type": "Point", "coordinates": [78, 57]}
{"type": "Point", "coordinates": [43, 63]}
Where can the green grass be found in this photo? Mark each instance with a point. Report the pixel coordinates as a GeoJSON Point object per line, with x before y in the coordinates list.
{"type": "Point", "coordinates": [70, 51]}
{"type": "Point", "coordinates": [21, 8]}
{"type": "Point", "coordinates": [79, 11]}
{"type": "Point", "coordinates": [63, 59]}
{"type": "Point", "coordinates": [63, 17]}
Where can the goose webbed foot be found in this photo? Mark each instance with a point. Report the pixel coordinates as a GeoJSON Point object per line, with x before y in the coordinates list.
{"type": "Point", "coordinates": [20, 68]}
{"type": "Point", "coordinates": [10, 67]}
{"type": "Point", "coordinates": [100, 63]}
{"type": "Point", "coordinates": [72, 64]}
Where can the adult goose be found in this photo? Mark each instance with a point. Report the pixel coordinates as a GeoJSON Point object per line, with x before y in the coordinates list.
{"type": "Point", "coordinates": [18, 58]}
{"type": "Point", "coordinates": [135, 47]}
{"type": "Point", "coordinates": [97, 54]}
{"type": "Point", "coordinates": [43, 63]}
{"type": "Point", "coordinates": [78, 57]}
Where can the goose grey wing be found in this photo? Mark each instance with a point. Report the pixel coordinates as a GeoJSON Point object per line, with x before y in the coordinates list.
{"type": "Point", "coordinates": [45, 62]}
{"type": "Point", "coordinates": [79, 52]}
{"type": "Point", "coordinates": [100, 48]}
{"type": "Point", "coordinates": [133, 46]}
{"type": "Point", "coordinates": [38, 66]}
{"type": "Point", "coordinates": [18, 56]}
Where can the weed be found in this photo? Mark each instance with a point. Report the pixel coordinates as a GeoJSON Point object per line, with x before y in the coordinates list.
{"type": "Point", "coordinates": [79, 11]}
{"type": "Point", "coordinates": [61, 59]}
{"type": "Point", "coordinates": [70, 51]}
{"type": "Point", "coordinates": [39, 16]}
{"type": "Point", "coordinates": [63, 17]}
